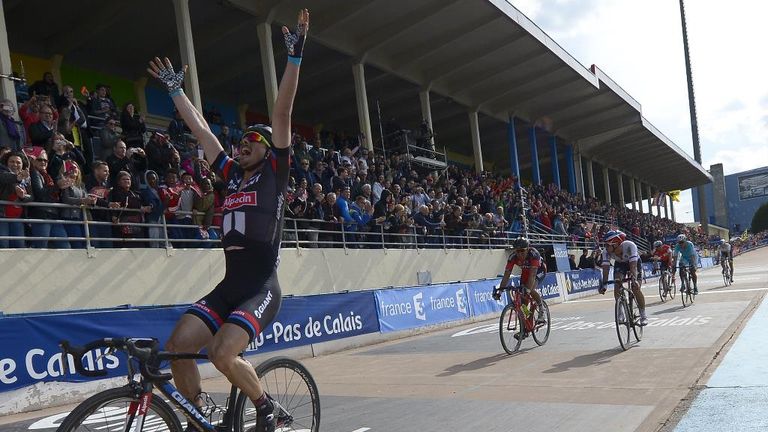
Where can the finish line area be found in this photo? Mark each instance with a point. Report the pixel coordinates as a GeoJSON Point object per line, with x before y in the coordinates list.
{"type": "Point", "coordinates": [460, 378]}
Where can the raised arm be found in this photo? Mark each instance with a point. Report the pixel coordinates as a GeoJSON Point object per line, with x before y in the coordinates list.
{"type": "Point", "coordinates": [163, 71]}
{"type": "Point", "coordinates": [281, 115]}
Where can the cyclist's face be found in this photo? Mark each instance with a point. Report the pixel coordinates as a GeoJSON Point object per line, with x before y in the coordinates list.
{"type": "Point", "coordinates": [521, 252]}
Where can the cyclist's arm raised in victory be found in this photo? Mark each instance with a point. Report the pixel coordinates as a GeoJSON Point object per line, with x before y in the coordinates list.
{"type": "Point", "coordinates": [281, 116]}
{"type": "Point", "coordinates": [163, 71]}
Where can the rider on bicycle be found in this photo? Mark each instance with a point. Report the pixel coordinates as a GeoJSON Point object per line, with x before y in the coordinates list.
{"type": "Point", "coordinates": [246, 301]}
{"type": "Point", "coordinates": [725, 253]}
{"type": "Point", "coordinates": [688, 258]}
{"type": "Point", "coordinates": [663, 253]}
{"type": "Point", "coordinates": [626, 263]}
{"type": "Point", "coordinates": [534, 269]}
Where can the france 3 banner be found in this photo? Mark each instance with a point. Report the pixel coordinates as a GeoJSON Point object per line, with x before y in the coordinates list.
{"type": "Point", "coordinates": [406, 308]}
{"type": "Point", "coordinates": [577, 281]}
{"type": "Point", "coordinates": [480, 295]}
{"type": "Point", "coordinates": [31, 353]}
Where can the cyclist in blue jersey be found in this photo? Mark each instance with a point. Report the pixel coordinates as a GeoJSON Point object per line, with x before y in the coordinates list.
{"type": "Point", "coordinates": [248, 298]}
{"type": "Point", "coordinates": [688, 257]}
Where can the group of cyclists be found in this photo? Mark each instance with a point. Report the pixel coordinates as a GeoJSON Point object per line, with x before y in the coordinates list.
{"type": "Point", "coordinates": [626, 265]}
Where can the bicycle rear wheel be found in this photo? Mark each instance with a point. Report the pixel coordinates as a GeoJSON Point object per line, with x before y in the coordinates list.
{"type": "Point", "coordinates": [108, 411]}
{"type": "Point", "coordinates": [622, 326]}
{"type": "Point", "coordinates": [726, 275]}
{"type": "Point", "coordinates": [662, 292]}
{"type": "Point", "coordinates": [293, 391]}
{"type": "Point", "coordinates": [509, 324]}
{"type": "Point", "coordinates": [541, 331]}
{"type": "Point", "coordinates": [684, 291]}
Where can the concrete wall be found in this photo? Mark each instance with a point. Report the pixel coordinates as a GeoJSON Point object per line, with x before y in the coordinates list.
{"type": "Point", "coordinates": [54, 280]}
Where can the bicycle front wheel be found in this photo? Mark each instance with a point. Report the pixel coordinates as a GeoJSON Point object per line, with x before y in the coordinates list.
{"type": "Point", "coordinates": [672, 287]}
{"type": "Point", "coordinates": [662, 292]}
{"type": "Point", "coordinates": [621, 315]}
{"type": "Point", "coordinates": [510, 323]}
{"type": "Point", "coordinates": [684, 288]}
{"type": "Point", "coordinates": [294, 394]}
{"type": "Point", "coordinates": [109, 411]}
{"type": "Point", "coordinates": [541, 330]}
{"type": "Point", "coordinates": [637, 329]}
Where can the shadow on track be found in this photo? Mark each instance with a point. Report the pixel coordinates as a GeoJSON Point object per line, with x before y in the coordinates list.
{"type": "Point", "coordinates": [586, 360]}
{"type": "Point", "coordinates": [480, 363]}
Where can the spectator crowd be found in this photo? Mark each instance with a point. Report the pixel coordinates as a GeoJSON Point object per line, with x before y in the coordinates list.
{"type": "Point", "coordinates": [84, 153]}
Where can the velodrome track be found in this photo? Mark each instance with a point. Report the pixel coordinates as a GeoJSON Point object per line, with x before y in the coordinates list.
{"type": "Point", "coordinates": [460, 379]}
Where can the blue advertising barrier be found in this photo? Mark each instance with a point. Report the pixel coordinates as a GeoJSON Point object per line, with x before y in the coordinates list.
{"type": "Point", "coordinates": [406, 308]}
{"type": "Point", "coordinates": [31, 354]}
{"type": "Point", "coordinates": [480, 300]}
{"type": "Point", "coordinates": [583, 280]}
{"type": "Point", "coordinates": [561, 257]}
{"type": "Point", "coordinates": [548, 287]}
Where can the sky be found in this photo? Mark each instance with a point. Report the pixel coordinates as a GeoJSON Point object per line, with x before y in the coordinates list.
{"type": "Point", "coordinates": [639, 45]}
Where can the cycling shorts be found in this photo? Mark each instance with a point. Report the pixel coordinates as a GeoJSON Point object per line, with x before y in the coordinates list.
{"type": "Point", "coordinates": [249, 295]}
{"type": "Point", "coordinates": [622, 268]}
{"type": "Point", "coordinates": [724, 254]}
{"type": "Point", "coordinates": [691, 268]}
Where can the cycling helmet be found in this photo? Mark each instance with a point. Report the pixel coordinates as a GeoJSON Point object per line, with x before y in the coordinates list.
{"type": "Point", "coordinates": [614, 237]}
{"type": "Point", "coordinates": [657, 244]}
{"type": "Point", "coordinates": [521, 243]}
{"type": "Point", "coordinates": [258, 133]}
{"type": "Point", "coordinates": [681, 238]}
{"type": "Point", "coordinates": [722, 241]}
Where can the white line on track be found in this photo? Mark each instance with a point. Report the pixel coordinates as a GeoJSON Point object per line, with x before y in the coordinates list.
{"type": "Point", "coordinates": [701, 293]}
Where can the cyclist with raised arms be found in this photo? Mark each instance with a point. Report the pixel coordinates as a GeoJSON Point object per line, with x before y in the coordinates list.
{"type": "Point", "coordinates": [533, 271]}
{"type": "Point", "coordinates": [688, 258]}
{"type": "Point", "coordinates": [626, 263]}
{"type": "Point", "coordinates": [248, 298]}
{"type": "Point", "coordinates": [725, 253]}
{"type": "Point", "coordinates": [663, 254]}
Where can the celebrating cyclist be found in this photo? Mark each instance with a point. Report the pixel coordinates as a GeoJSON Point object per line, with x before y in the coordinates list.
{"type": "Point", "coordinates": [248, 298]}
{"type": "Point", "coordinates": [725, 253]}
{"type": "Point", "coordinates": [534, 269]}
{"type": "Point", "coordinates": [626, 263]}
{"type": "Point", "coordinates": [663, 254]}
{"type": "Point", "coordinates": [688, 258]}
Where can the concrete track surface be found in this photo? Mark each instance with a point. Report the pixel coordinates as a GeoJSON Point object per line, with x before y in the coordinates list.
{"type": "Point", "coordinates": [460, 379]}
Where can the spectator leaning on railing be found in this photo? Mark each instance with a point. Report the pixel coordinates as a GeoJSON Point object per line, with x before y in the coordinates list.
{"type": "Point", "coordinates": [14, 186]}
{"type": "Point", "coordinates": [75, 195]}
{"type": "Point", "coordinates": [46, 190]}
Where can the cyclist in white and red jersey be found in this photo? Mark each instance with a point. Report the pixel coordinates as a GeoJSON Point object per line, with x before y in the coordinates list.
{"type": "Point", "coordinates": [626, 263]}
{"type": "Point", "coordinates": [534, 269]}
{"type": "Point", "coordinates": [248, 298]}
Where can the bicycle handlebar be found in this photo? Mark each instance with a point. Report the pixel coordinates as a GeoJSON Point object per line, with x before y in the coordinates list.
{"type": "Point", "coordinates": [142, 349]}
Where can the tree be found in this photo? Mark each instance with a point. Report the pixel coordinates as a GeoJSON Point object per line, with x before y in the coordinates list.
{"type": "Point", "coordinates": [760, 219]}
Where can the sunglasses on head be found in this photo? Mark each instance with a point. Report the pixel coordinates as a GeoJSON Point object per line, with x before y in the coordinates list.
{"type": "Point", "coordinates": [254, 136]}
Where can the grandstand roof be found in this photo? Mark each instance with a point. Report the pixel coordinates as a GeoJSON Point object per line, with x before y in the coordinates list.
{"type": "Point", "coordinates": [472, 54]}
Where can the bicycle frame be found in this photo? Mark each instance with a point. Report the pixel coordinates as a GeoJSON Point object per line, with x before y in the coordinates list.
{"type": "Point", "coordinates": [520, 294]}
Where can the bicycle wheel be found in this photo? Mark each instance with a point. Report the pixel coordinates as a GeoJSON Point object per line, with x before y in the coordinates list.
{"type": "Point", "coordinates": [293, 391]}
{"type": "Point", "coordinates": [684, 291]}
{"type": "Point", "coordinates": [662, 292]}
{"type": "Point", "coordinates": [637, 329]}
{"type": "Point", "coordinates": [509, 324]}
{"type": "Point", "coordinates": [108, 411]}
{"type": "Point", "coordinates": [691, 292]}
{"type": "Point", "coordinates": [672, 287]}
{"type": "Point", "coordinates": [622, 326]}
{"type": "Point", "coordinates": [541, 331]}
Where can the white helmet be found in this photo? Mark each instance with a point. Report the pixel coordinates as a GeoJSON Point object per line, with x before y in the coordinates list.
{"type": "Point", "coordinates": [657, 244]}
{"type": "Point", "coordinates": [681, 238]}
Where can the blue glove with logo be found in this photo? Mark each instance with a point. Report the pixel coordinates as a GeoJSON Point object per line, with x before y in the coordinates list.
{"type": "Point", "coordinates": [294, 41]}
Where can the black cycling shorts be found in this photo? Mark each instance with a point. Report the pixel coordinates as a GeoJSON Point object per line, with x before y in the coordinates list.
{"type": "Point", "coordinates": [249, 295]}
{"type": "Point", "coordinates": [726, 255]}
{"type": "Point", "coordinates": [620, 269]}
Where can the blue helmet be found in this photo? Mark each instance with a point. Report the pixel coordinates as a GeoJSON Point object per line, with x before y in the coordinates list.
{"type": "Point", "coordinates": [614, 237]}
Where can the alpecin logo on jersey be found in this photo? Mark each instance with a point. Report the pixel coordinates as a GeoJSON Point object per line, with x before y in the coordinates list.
{"type": "Point", "coordinates": [240, 199]}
